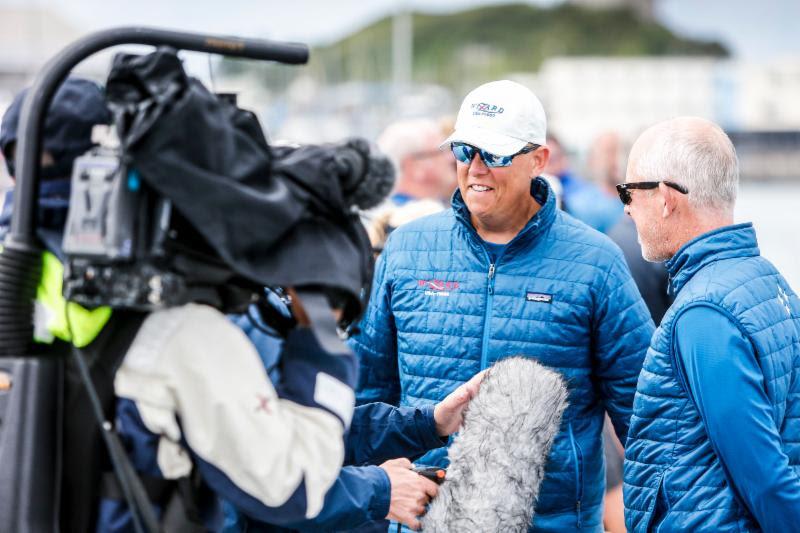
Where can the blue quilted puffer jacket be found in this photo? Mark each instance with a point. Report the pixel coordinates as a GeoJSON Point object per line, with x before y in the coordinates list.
{"type": "Point", "coordinates": [670, 463]}
{"type": "Point", "coordinates": [560, 293]}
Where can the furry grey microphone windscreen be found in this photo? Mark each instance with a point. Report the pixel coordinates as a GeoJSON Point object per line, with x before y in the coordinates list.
{"type": "Point", "coordinates": [498, 459]}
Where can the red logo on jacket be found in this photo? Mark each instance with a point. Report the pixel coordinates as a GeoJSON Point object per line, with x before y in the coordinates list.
{"type": "Point", "coordinates": [438, 285]}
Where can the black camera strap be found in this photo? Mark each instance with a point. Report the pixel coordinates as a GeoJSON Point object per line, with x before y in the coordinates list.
{"type": "Point", "coordinates": [144, 518]}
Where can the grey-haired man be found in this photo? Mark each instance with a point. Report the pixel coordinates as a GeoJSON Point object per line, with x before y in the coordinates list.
{"type": "Point", "coordinates": [713, 444]}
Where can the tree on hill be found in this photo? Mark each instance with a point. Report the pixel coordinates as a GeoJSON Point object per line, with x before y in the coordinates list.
{"type": "Point", "coordinates": [459, 49]}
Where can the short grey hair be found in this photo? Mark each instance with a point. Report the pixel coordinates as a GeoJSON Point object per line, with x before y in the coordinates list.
{"type": "Point", "coordinates": [702, 159]}
{"type": "Point", "coordinates": [406, 137]}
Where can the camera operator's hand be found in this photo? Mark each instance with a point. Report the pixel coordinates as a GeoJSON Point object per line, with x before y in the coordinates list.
{"type": "Point", "coordinates": [410, 492]}
{"type": "Point", "coordinates": [449, 413]}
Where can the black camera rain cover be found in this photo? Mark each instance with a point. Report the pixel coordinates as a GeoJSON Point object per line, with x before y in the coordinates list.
{"type": "Point", "coordinates": [273, 220]}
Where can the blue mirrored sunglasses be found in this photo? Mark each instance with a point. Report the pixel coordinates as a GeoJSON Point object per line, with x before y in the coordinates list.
{"type": "Point", "coordinates": [465, 153]}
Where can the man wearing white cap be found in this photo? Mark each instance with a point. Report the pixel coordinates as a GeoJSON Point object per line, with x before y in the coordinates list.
{"type": "Point", "coordinates": [501, 273]}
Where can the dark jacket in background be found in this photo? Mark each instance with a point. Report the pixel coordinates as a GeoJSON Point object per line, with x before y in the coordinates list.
{"type": "Point", "coordinates": [650, 278]}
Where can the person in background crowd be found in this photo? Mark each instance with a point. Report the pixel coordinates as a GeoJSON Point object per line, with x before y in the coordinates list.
{"type": "Point", "coordinates": [580, 198]}
{"type": "Point", "coordinates": [713, 440]}
{"type": "Point", "coordinates": [502, 273]}
{"type": "Point", "coordinates": [422, 169]}
{"type": "Point", "coordinates": [605, 164]}
{"type": "Point", "coordinates": [450, 182]}
{"type": "Point", "coordinates": [423, 172]}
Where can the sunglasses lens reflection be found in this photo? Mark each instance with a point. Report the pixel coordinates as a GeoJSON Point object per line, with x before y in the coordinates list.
{"type": "Point", "coordinates": [463, 153]}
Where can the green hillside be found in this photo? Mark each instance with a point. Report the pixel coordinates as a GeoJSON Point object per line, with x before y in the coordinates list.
{"type": "Point", "coordinates": [458, 48]}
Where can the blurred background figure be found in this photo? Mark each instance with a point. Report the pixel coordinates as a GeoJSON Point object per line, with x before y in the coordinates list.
{"type": "Point", "coordinates": [425, 176]}
{"type": "Point", "coordinates": [605, 164]}
{"type": "Point", "coordinates": [423, 171]}
{"type": "Point", "coordinates": [613, 506]}
{"type": "Point", "coordinates": [580, 197]}
{"type": "Point", "coordinates": [450, 182]}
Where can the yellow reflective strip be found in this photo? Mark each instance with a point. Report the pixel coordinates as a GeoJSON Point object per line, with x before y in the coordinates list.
{"type": "Point", "coordinates": [85, 324]}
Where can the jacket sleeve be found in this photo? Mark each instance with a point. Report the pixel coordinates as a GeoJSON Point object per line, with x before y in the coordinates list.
{"type": "Point", "coordinates": [273, 454]}
{"type": "Point", "coordinates": [621, 335]}
{"type": "Point", "coordinates": [375, 345]}
{"type": "Point", "coordinates": [741, 425]}
{"type": "Point", "coordinates": [360, 494]}
{"type": "Point", "coordinates": [380, 432]}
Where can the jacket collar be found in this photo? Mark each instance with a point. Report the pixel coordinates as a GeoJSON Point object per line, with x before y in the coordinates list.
{"type": "Point", "coordinates": [727, 242]}
{"type": "Point", "coordinates": [541, 221]}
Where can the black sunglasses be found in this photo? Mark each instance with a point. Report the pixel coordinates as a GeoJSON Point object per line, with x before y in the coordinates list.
{"type": "Point", "coordinates": [624, 189]}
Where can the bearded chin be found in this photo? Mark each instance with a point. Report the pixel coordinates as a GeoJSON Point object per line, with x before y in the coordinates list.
{"type": "Point", "coordinates": [654, 256]}
{"type": "Point", "coordinates": [655, 249]}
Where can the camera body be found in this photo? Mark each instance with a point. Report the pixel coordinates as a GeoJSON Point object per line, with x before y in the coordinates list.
{"type": "Point", "coordinates": [184, 200]}
{"type": "Point", "coordinates": [128, 247]}
{"type": "Point", "coordinates": [115, 234]}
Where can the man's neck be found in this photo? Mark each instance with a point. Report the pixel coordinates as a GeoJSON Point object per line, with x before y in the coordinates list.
{"type": "Point", "coordinates": [503, 231]}
{"type": "Point", "coordinates": [697, 226]}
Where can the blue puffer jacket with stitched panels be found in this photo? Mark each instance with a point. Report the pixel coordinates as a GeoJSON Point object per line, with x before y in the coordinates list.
{"type": "Point", "coordinates": [560, 293]}
{"type": "Point", "coordinates": [674, 480]}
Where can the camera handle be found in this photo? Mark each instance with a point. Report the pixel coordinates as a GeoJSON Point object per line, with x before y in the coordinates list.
{"type": "Point", "coordinates": [37, 102]}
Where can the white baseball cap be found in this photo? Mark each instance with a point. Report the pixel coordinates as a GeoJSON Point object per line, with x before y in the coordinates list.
{"type": "Point", "coordinates": [501, 117]}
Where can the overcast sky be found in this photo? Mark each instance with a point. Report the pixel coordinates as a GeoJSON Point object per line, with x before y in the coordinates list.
{"type": "Point", "coordinates": [754, 29]}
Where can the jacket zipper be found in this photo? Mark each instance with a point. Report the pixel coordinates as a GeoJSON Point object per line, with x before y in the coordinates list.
{"type": "Point", "coordinates": [576, 450]}
{"type": "Point", "coordinates": [487, 316]}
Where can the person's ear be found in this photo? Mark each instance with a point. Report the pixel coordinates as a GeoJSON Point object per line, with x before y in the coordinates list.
{"type": "Point", "coordinates": [671, 199]}
{"type": "Point", "coordinates": [540, 158]}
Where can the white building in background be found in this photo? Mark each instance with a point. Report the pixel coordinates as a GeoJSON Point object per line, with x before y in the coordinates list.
{"type": "Point", "coordinates": [588, 95]}
{"type": "Point", "coordinates": [769, 95]}
{"type": "Point", "coordinates": [759, 103]}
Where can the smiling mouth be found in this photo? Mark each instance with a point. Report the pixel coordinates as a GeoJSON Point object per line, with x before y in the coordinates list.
{"type": "Point", "coordinates": [480, 188]}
